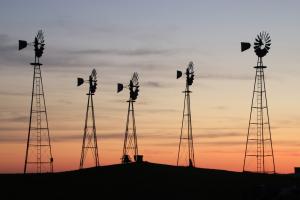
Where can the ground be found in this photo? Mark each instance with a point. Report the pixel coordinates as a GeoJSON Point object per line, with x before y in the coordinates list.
{"type": "Point", "coordinates": [150, 181]}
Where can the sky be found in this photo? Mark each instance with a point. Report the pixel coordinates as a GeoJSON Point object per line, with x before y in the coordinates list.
{"type": "Point", "coordinates": [154, 38]}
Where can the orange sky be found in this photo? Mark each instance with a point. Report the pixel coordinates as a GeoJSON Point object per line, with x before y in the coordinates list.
{"type": "Point", "coordinates": [153, 38]}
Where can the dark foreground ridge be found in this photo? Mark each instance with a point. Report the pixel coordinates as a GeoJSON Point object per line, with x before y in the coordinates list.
{"type": "Point", "coordinates": [149, 181]}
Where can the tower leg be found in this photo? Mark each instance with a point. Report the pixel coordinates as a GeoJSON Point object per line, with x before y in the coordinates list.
{"type": "Point", "coordinates": [29, 129]}
{"type": "Point", "coordinates": [190, 134]}
{"type": "Point", "coordinates": [94, 135]}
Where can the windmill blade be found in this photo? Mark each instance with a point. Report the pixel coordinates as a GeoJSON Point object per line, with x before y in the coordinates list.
{"type": "Point", "coordinates": [135, 79]}
{"type": "Point", "coordinates": [262, 44]}
{"type": "Point", "coordinates": [191, 67]}
{"type": "Point", "coordinates": [40, 36]}
{"type": "Point", "coordinates": [94, 74]}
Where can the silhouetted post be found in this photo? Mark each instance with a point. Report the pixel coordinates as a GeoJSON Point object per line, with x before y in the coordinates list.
{"type": "Point", "coordinates": [259, 156]}
{"type": "Point", "coordinates": [89, 142]}
{"type": "Point", "coordinates": [186, 134]}
{"type": "Point", "coordinates": [38, 157]}
{"type": "Point", "coordinates": [130, 146]}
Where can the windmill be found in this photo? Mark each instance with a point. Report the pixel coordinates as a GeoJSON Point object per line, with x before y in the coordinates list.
{"type": "Point", "coordinates": [38, 157]}
{"type": "Point", "coordinates": [130, 147]}
{"type": "Point", "coordinates": [89, 141]}
{"type": "Point", "coordinates": [186, 145]}
{"type": "Point", "coordinates": [259, 156]}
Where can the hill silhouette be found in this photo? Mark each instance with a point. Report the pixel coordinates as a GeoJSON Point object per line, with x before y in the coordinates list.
{"type": "Point", "coordinates": [149, 181]}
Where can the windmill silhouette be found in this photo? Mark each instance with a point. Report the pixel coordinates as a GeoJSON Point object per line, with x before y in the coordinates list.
{"type": "Point", "coordinates": [38, 157]}
{"type": "Point", "coordinates": [259, 155]}
{"type": "Point", "coordinates": [130, 147]}
{"type": "Point", "coordinates": [185, 154]}
{"type": "Point", "coordinates": [89, 141]}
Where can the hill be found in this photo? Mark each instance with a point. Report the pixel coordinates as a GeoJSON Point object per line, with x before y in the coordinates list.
{"type": "Point", "coordinates": [149, 181]}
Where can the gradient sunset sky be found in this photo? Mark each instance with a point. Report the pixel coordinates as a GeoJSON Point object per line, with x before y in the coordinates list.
{"type": "Point", "coordinates": [153, 38]}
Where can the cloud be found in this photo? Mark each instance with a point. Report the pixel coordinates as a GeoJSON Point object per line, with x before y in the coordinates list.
{"type": "Point", "coordinates": [59, 59]}
{"type": "Point", "coordinates": [11, 57]}
{"type": "Point", "coordinates": [107, 136]}
{"type": "Point", "coordinates": [288, 143]}
{"type": "Point", "coordinates": [161, 110]}
{"type": "Point", "coordinates": [13, 93]}
{"type": "Point", "coordinates": [13, 138]}
{"type": "Point", "coordinates": [221, 143]}
{"type": "Point", "coordinates": [5, 45]}
{"type": "Point", "coordinates": [19, 119]}
{"type": "Point", "coordinates": [221, 128]}
{"type": "Point", "coordinates": [168, 144]}
{"type": "Point", "coordinates": [9, 52]}
{"type": "Point", "coordinates": [153, 84]}
{"type": "Point", "coordinates": [220, 135]}
{"type": "Point", "coordinates": [12, 129]}
{"type": "Point", "coordinates": [210, 143]}
{"type": "Point", "coordinates": [8, 47]}
{"type": "Point", "coordinates": [65, 102]}
{"type": "Point", "coordinates": [225, 77]}
{"type": "Point", "coordinates": [12, 117]}
{"type": "Point", "coordinates": [59, 138]}
{"type": "Point", "coordinates": [122, 52]}
{"type": "Point", "coordinates": [220, 107]}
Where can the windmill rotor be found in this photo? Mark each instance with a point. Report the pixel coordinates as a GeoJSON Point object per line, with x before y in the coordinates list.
{"type": "Point", "coordinates": [40, 36]}
{"type": "Point", "coordinates": [38, 44]}
{"type": "Point", "coordinates": [94, 75]}
{"type": "Point", "coordinates": [262, 44]}
{"type": "Point", "coordinates": [92, 81]}
{"type": "Point", "coordinates": [133, 86]}
{"type": "Point", "coordinates": [191, 67]}
{"type": "Point", "coordinates": [135, 79]}
{"type": "Point", "coordinates": [189, 73]}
